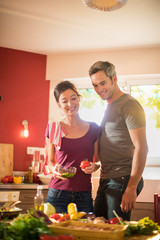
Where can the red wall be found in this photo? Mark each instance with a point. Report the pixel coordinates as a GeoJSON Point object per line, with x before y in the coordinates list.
{"type": "Point", "coordinates": [24, 95]}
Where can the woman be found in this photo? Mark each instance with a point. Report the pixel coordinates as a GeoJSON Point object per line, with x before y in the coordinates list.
{"type": "Point", "coordinates": [72, 140]}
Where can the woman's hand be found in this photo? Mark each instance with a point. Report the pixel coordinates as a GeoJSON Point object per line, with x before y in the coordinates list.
{"type": "Point", "coordinates": [55, 172]}
{"type": "Point", "coordinates": [89, 170]}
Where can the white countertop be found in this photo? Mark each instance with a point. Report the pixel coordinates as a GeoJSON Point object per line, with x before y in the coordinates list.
{"type": "Point", "coordinates": [20, 186]}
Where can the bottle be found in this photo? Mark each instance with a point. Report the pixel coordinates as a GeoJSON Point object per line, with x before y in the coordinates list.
{"type": "Point", "coordinates": [36, 163]}
{"type": "Point", "coordinates": [30, 174]}
{"type": "Point", "coordinates": [39, 199]}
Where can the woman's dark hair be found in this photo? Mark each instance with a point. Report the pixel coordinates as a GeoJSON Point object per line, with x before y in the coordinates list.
{"type": "Point", "coordinates": [63, 86]}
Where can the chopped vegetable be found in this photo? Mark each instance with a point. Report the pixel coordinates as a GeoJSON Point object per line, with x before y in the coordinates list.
{"type": "Point", "coordinates": [145, 226]}
{"type": "Point", "coordinates": [67, 175]}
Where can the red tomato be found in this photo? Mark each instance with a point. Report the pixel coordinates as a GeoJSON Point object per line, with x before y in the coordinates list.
{"type": "Point", "coordinates": [85, 164]}
{"type": "Point", "coordinates": [62, 219]}
{"type": "Point", "coordinates": [55, 216]}
{"type": "Point", "coordinates": [63, 237]}
{"type": "Point", "coordinates": [70, 237]}
{"type": "Point", "coordinates": [4, 180]}
{"type": "Point", "coordinates": [54, 238]}
{"type": "Point", "coordinates": [45, 237]}
{"type": "Point", "coordinates": [114, 220]}
{"type": "Point", "coordinates": [66, 216]}
{"type": "Point", "coordinates": [10, 178]}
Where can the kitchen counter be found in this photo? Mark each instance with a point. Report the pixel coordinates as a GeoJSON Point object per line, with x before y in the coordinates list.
{"type": "Point", "coordinates": [21, 186]}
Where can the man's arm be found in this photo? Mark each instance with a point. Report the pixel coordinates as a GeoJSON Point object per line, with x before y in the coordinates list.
{"type": "Point", "coordinates": [138, 137]}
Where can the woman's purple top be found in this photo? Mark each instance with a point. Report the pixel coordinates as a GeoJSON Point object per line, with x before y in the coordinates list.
{"type": "Point", "coordinates": [71, 153]}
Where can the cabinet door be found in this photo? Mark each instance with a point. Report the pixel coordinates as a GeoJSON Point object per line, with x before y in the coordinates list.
{"type": "Point", "coordinates": [27, 198]}
{"type": "Point", "coordinates": [142, 210]}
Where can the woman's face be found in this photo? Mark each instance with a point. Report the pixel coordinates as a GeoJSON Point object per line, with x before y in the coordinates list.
{"type": "Point", "coordinates": [69, 102]}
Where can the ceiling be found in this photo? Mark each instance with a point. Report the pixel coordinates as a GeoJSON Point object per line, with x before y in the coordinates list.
{"type": "Point", "coordinates": [55, 26]}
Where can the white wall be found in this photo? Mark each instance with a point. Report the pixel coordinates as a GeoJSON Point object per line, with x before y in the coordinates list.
{"type": "Point", "coordinates": [76, 66]}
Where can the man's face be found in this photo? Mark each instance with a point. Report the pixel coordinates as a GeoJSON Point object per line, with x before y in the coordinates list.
{"type": "Point", "coordinates": [103, 85]}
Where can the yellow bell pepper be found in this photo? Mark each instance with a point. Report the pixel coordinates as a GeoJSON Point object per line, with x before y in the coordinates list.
{"type": "Point", "coordinates": [17, 180]}
{"type": "Point", "coordinates": [74, 216]}
{"type": "Point", "coordinates": [73, 213]}
{"type": "Point", "coordinates": [81, 214]}
{"type": "Point", "coordinates": [72, 208]}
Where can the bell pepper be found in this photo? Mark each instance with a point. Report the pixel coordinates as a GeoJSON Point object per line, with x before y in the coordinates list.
{"type": "Point", "coordinates": [17, 180]}
{"type": "Point", "coordinates": [74, 216]}
{"type": "Point", "coordinates": [81, 214]}
{"type": "Point", "coordinates": [72, 211]}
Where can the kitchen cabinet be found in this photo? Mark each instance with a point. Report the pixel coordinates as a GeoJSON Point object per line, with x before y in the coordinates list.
{"type": "Point", "coordinates": [27, 193]}
{"type": "Point", "coordinates": [27, 198]}
{"type": "Point", "coordinates": [141, 210]}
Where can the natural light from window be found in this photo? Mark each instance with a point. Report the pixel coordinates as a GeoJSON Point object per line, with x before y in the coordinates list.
{"type": "Point", "coordinates": [93, 108]}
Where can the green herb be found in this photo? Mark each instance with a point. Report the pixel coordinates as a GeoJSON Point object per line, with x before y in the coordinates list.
{"type": "Point", "coordinates": [24, 227]}
{"type": "Point", "coordinates": [122, 223]}
{"type": "Point", "coordinates": [144, 226]}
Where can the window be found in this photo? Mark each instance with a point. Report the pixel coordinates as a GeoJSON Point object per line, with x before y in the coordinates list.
{"type": "Point", "coordinates": [92, 106]}
{"type": "Point", "coordinates": [146, 89]}
{"type": "Point", "coordinates": [149, 97]}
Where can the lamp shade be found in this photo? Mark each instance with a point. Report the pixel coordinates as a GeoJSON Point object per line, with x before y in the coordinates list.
{"type": "Point", "coordinates": [104, 5]}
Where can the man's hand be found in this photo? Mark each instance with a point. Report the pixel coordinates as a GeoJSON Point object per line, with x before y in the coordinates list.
{"type": "Point", "coordinates": [128, 200]}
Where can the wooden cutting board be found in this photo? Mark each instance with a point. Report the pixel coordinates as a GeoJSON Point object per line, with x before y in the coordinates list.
{"type": "Point", "coordinates": [142, 237]}
{"type": "Point", "coordinates": [6, 159]}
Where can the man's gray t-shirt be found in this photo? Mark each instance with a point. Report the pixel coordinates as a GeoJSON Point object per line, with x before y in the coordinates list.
{"type": "Point", "coordinates": [116, 147]}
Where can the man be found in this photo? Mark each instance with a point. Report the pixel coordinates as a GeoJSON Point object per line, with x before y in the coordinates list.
{"type": "Point", "coordinates": [123, 145]}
